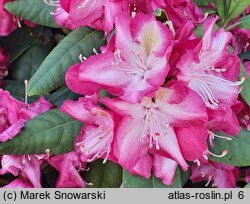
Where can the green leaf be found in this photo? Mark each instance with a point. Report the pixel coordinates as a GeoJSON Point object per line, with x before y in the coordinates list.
{"type": "Point", "coordinates": [247, 186]}
{"type": "Point", "coordinates": [245, 93]}
{"type": "Point", "coordinates": [243, 22]}
{"type": "Point", "coordinates": [108, 175]}
{"type": "Point", "coordinates": [52, 130]}
{"type": "Point", "coordinates": [222, 8]}
{"type": "Point", "coordinates": [64, 93]}
{"type": "Point", "coordinates": [244, 56]}
{"type": "Point", "coordinates": [203, 2]}
{"type": "Point", "coordinates": [230, 9]}
{"type": "Point", "coordinates": [15, 88]}
{"type": "Point", "coordinates": [236, 8]}
{"type": "Point", "coordinates": [27, 64]}
{"type": "Point", "coordinates": [51, 73]}
{"type": "Point", "coordinates": [129, 181]}
{"type": "Point", "coordinates": [36, 11]}
{"type": "Point", "coordinates": [238, 149]}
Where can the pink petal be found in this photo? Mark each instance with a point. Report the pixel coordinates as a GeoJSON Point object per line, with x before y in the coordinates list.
{"type": "Point", "coordinates": [193, 142]}
{"type": "Point", "coordinates": [169, 143]}
{"type": "Point", "coordinates": [164, 169]}
{"type": "Point", "coordinates": [19, 183]}
{"type": "Point", "coordinates": [12, 131]}
{"type": "Point", "coordinates": [72, 81]}
{"type": "Point", "coordinates": [143, 167]}
{"type": "Point", "coordinates": [128, 147]}
{"type": "Point", "coordinates": [67, 165]}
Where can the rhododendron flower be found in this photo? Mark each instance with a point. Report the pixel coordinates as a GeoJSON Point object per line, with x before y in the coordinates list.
{"type": "Point", "coordinates": [138, 62]}
{"type": "Point", "coordinates": [96, 137]}
{"type": "Point", "coordinates": [13, 115]}
{"type": "Point", "coordinates": [68, 165]}
{"type": "Point", "coordinates": [241, 39]}
{"type": "Point", "coordinates": [98, 14]}
{"type": "Point", "coordinates": [149, 126]}
{"type": "Point", "coordinates": [19, 183]}
{"type": "Point", "coordinates": [220, 175]}
{"type": "Point", "coordinates": [164, 168]}
{"type": "Point", "coordinates": [28, 165]}
{"type": "Point", "coordinates": [180, 12]}
{"type": "Point", "coordinates": [8, 22]}
{"type": "Point", "coordinates": [213, 73]}
{"type": "Point", "coordinates": [10, 120]}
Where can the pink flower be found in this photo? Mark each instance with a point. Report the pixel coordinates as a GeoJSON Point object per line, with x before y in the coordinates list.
{"type": "Point", "coordinates": [19, 183]}
{"type": "Point", "coordinates": [96, 137]}
{"type": "Point", "coordinates": [241, 39]}
{"type": "Point", "coordinates": [7, 20]}
{"type": "Point", "coordinates": [98, 14]}
{"type": "Point", "coordinates": [69, 166]}
{"type": "Point", "coordinates": [150, 127]}
{"type": "Point", "coordinates": [221, 175]}
{"type": "Point", "coordinates": [4, 63]}
{"type": "Point", "coordinates": [82, 88]}
{"type": "Point", "coordinates": [13, 115]}
{"type": "Point", "coordinates": [180, 12]}
{"type": "Point", "coordinates": [164, 168]}
{"type": "Point", "coordinates": [28, 165]}
{"type": "Point", "coordinates": [10, 120]}
{"type": "Point", "coordinates": [136, 63]}
{"type": "Point", "coordinates": [213, 73]}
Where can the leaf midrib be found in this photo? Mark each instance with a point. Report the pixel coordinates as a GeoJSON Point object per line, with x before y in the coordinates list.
{"type": "Point", "coordinates": [17, 143]}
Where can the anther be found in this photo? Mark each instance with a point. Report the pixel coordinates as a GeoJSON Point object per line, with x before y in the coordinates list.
{"type": "Point", "coordinates": [197, 161]}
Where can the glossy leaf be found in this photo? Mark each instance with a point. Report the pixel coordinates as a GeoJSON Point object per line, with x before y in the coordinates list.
{"type": "Point", "coordinates": [36, 11]}
{"type": "Point", "coordinates": [108, 175]}
{"type": "Point", "coordinates": [52, 130]}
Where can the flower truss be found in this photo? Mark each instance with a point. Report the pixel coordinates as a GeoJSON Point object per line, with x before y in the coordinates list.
{"type": "Point", "coordinates": [166, 90]}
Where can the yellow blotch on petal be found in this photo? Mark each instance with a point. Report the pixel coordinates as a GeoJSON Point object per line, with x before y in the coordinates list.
{"type": "Point", "coordinates": [150, 38]}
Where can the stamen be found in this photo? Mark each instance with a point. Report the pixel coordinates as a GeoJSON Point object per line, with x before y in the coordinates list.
{"type": "Point", "coordinates": [82, 58]}
{"type": "Point", "coordinates": [205, 156]}
{"type": "Point", "coordinates": [48, 152]}
{"type": "Point", "coordinates": [52, 3]}
{"type": "Point", "coordinates": [197, 161]}
{"type": "Point", "coordinates": [224, 153]}
{"type": "Point", "coordinates": [95, 51]}
{"type": "Point", "coordinates": [26, 92]}
{"type": "Point", "coordinates": [24, 159]}
{"type": "Point", "coordinates": [209, 180]}
{"type": "Point", "coordinates": [211, 134]}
